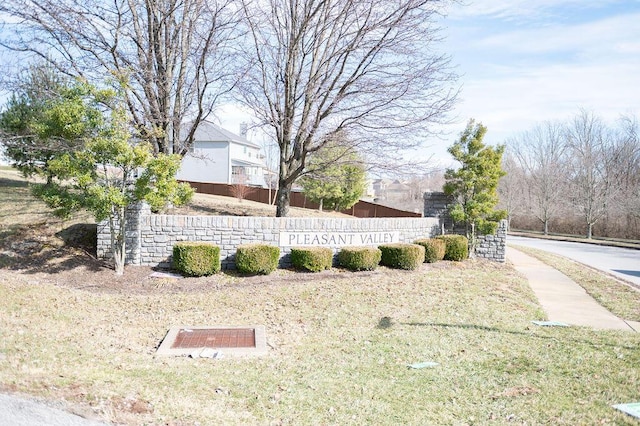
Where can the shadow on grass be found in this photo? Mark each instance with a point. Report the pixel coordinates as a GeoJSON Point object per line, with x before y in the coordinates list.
{"type": "Point", "coordinates": [384, 323]}
{"type": "Point", "coordinates": [30, 249]}
{"type": "Point", "coordinates": [532, 334]}
{"type": "Point", "coordinates": [13, 183]}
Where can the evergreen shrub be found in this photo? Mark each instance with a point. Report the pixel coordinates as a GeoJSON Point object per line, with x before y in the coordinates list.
{"type": "Point", "coordinates": [359, 258]}
{"type": "Point", "coordinates": [312, 259]}
{"type": "Point", "coordinates": [196, 259]}
{"type": "Point", "coordinates": [433, 249]}
{"type": "Point", "coordinates": [456, 247]}
{"type": "Point", "coordinates": [402, 255]}
{"type": "Point", "coordinates": [259, 259]}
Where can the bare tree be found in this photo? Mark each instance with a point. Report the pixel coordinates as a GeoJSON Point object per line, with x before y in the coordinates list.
{"type": "Point", "coordinates": [541, 155]}
{"type": "Point", "coordinates": [512, 187]}
{"type": "Point", "coordinates": [625, 170]}
{"type": "Point", "coordinates": [172, 57]}
{"type": "Point", "coordinates": [592, 167]}
{"type": "Point", "coordinates": [628, 163]}
{"type": "Point", "coordinates": [321, 67]}
{"type": "Point", "coordinates": [270, 153]}
{"type": "Point", "coordinates": [239, 187]}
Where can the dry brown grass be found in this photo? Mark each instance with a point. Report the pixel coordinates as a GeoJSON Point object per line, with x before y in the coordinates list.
{"type": "Point", "coordinates": [205, 204]}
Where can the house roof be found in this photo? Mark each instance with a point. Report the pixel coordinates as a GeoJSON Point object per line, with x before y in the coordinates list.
{"type": "Point", "coordinates": [236, 162]}
{"type": "Point", "coordinates": [211, 132]}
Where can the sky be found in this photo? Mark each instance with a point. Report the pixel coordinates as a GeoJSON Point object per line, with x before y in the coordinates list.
{"type": "Point", "coordinates": [523, 62]}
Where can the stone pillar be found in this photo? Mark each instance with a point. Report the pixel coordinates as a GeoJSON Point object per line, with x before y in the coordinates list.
{"type": "Point", "coordinates": [493, 247]}
{"type": "Point", "coordinates": [135, 214]}
{"type": "Point", "coordinates": [133, 235]}
{"type": "Point", "coordinates": [436, 204]}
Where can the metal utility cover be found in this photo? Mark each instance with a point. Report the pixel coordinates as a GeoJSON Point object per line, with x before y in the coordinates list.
{"type": "Point", "coordinates": [230, 340]}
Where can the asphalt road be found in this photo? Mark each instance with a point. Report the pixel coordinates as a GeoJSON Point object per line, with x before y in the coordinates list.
{"type": "Point", "coordinates": [621, 262]}
{"type": "Point", "coordinates": [16, 411]}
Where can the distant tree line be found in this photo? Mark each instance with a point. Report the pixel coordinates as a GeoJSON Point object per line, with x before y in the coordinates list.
{"type": "Point", "coordinates": [581, 176]}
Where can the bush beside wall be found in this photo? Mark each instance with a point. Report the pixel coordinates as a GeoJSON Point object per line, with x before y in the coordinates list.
{"type": "Point", "coordinates": [312, 259]}
{"type": "Point", "coordinates": [359, 258]}
{"type": "Point", "coordinates": [434, 249]}
{"type": "Point", "coordinates": [456, 247]}
{"type": "Point", "coordinates": [402, 255]}
{"type": "Point", "coordinates": [196, 259]}
{"type": "Point", "coordinates": [257, 258]}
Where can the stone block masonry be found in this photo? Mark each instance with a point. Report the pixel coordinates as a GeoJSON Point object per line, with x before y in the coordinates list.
{"type": "Point", "coordinates": [151, 237]}
{"type": "Point", "coordinates": [492, 247]}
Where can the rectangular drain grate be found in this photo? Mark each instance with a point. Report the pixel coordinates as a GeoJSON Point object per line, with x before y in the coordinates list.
{"type": "Point", "coordinates": [230, 340]}
{"type": "Point", "coordinates": [216, 338]}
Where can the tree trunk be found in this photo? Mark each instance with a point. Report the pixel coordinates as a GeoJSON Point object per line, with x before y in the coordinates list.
{"type": "Point", "coordinates": [546, 227]}
{"type": "Point", "coordinates": [472, 240]}
{"type": "Point", "coordinates": [118, 241]}
{"type": "Point", "coordinates": [283, 199]}
{"type": "Point", "coordinates": [589, 231]}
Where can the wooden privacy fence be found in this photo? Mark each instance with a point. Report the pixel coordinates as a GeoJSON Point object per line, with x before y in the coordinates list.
{"type": "Point", "coordinates": [298, 199]}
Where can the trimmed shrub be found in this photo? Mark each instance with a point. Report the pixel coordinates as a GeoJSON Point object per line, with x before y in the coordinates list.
{"type": "Point", "coordinates": [257, 259]}
{"type": "Point", "coordinates": [359, 258]}
{"type": "Point", "coordinates": [402, 255]}
{"type": "Point", "coordinates": [456, 247]}
{"type": "Point", "coordinates": [312, 259]}
{"type": "Point", "coordinates": [433, 249]}
{"type": "Point", "coordinates": [196, 259]}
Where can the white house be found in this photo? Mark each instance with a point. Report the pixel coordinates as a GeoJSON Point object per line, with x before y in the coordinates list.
{"type": "Point", "coordinates": [219, 156]}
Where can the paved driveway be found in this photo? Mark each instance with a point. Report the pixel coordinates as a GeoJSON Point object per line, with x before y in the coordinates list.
{"type": "Point", "coordinates": [621, 262]}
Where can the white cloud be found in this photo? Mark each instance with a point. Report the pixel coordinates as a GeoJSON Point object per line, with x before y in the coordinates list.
{"type": "Point", "coordinates": [516, 10]}
{"type": "Point", "coordinates": [618, 34]}
{"type": "Point", "coordinates": [510, 105]}
{"type": "Point", "coordinates": [544, 67]}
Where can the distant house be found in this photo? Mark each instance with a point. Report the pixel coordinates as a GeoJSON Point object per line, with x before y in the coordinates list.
{"type": "Point", "coordinates": [391, 190]}
{"type": "Point", "coordinates": [219, 156]}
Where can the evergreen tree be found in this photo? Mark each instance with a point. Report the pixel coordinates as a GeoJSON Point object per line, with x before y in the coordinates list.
{"type": "Point", "coordinates": [106, 173]}
{"type": "Point", "coordinates": [46, 117]}
{"type": "Point", "coordinates": [336, 178]}
{"type": "Point", "coordinates": [474, 184]}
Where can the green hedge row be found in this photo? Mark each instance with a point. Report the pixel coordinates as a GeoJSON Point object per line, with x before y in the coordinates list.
{"type": "Point", "coordinates": [311, 259]}
{"type": "Point", "coordinates": [434, 249]}
{"type": "Point", "coordinates": [201, 259]}
{"type": "Point", "coordinates": [456, 247]}
{"type": "Point", "coordinates": [196, 259]}
{"type": "Point", "coordinates": [359, 258]}
{"type": "Point", "coordinates": [402, 255]}
{"type": "Point", "coordinates": [261, 259]}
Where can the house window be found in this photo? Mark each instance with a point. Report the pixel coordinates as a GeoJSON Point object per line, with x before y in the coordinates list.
{"type": "Point", "coordinates": [237, 170]}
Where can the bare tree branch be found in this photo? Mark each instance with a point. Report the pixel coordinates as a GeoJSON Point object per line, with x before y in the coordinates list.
{"type": "Point", "coordinates": [323, 67]}
{"type": "Point", "coordinates": [175, 58]}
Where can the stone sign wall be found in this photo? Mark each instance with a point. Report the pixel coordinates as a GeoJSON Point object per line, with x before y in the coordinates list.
{"type": "Point", "coordinates": [493, 247]}
{"type": "Point", "coordinates": [151, 237]}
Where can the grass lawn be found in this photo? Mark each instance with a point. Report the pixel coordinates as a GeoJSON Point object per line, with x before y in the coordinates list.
{"type": "Point", "coordinates": [340, 343]}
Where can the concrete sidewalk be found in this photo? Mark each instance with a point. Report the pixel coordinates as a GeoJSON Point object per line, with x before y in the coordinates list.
{"type": "Point", "coordinates": [562, 299]}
